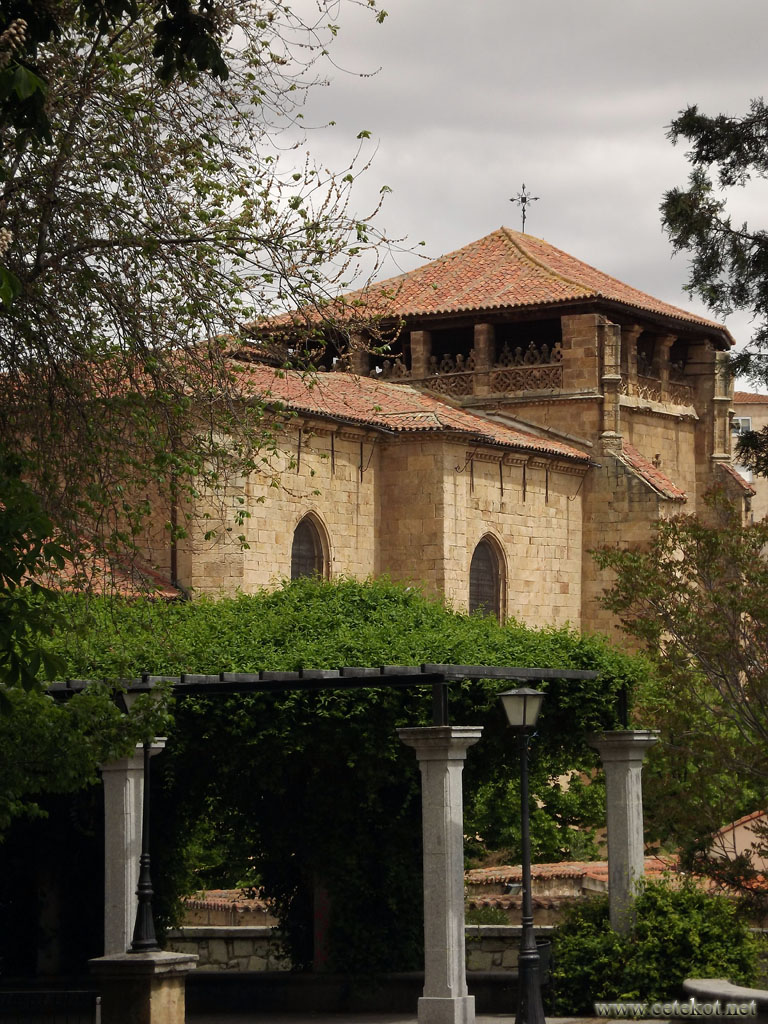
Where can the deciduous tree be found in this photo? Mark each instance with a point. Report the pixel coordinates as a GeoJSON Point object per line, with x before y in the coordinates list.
{"type": "Point", "coordinates": [697, 599]}
{"type": "Point", "coordinates": [155, 221]}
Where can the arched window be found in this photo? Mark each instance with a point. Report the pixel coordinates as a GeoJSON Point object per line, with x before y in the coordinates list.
{"type": "Point", "coordinates": [485, 580]}
{"type": "Point", "coordinates": [307, 556]}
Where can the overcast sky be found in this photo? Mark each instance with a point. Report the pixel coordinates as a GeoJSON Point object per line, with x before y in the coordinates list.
{"type": "Point", "coordinates": [572, 98]}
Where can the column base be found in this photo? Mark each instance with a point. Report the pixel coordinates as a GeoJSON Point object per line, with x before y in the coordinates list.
{"type": "Point", "coordinates": [449, 1010]}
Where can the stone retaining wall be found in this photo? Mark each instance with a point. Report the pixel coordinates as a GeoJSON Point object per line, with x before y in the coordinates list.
{"type": "Point", "coordinates": [240, 948]}
{"type": "Point", "coordinates": [489, 947]}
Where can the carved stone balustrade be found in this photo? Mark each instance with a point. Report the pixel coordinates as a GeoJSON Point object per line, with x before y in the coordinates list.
{"type": "Point", "coordinates": [648, 387]}
{"type": "Point", "coordinates": [680, 394]}
{"type": "Point", "coordinates": [538, 368]}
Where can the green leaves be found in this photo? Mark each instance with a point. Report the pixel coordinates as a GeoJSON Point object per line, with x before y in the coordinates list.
{"type": "Point", "coordinates": [26, 82]}
{"type": "Point", "coordinates": [333, 756]}
{"type": "Point", "coordinates": [28, 608]}
{"type": "Point", "coordinates": [729, 262]}
{"type": "Point", "coordinates": [697, 598]}
{"type": "Point", "coordinates": [681, 932]}
{"type": "Point", "coordinates": [10, 286]}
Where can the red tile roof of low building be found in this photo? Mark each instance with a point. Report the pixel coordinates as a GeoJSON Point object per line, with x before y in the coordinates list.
{"type": "Point", "coordinates": [749, 398]}
{"type": "Point", "coordinates": [652, 475]}
{"type": "Point", "coordinates": [119, 577]}
{"type": "Point", "coordinates": [507, 873]}
{"type": "Point", "coordinates": [382, 405]}
{"type": "Point", "coordinates": [754, 816]}
{"type": "Point", "coordinates": [736, 476]}
{"type": "Point", "coordinates": [237, 900]}
{"type": "Point", "coordinates": [509, 270]}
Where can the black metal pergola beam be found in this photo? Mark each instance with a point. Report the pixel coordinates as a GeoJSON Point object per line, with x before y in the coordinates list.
{"type": "Point", "coordinates": [438, 677]}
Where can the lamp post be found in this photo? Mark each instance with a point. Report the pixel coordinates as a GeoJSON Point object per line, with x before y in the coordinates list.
{"type": "Point", "coordinates": [144, 938]}
{"type": "Point", "coordinates": [522, 709]}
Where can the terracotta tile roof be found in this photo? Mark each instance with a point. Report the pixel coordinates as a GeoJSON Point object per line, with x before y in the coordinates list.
{"type": "Point", "coordinates": [653, 476]}
{"type": "Point", "coordinates": [508, 270]}
{"type": "Point", "coordinates": [503, 902]}
{"type": "Point", "coordinates": [126, 579]}
{"type": "Point", "coordinates": [736, 476]}
{"type": "Point", "coordinates": [754, 816]}
{"type": "Point", "coordinates": [749, 398]}
{"type": "Point", "coordinates": [567, 869]}
{"type": "Point", "coordinates": [395, 408]}
{"type": "Point", "coordinates": [226, 899]}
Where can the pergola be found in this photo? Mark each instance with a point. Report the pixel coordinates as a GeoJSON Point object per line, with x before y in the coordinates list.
{"type": "Point", "coordinates": [438, 677]}
{"type": "Point", "coordinates": [440, 749]}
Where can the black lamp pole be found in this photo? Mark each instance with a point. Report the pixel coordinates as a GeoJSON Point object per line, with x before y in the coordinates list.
{"type": "Point", "coordinates": [530, 1009]}
{"type": "Point", "coordinates": [144, 939]}
{"type": "Point", "coordinates": [522, 709]}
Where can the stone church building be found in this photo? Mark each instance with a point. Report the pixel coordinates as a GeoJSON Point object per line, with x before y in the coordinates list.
{"type": "Point", "coordinates": [530, 409]}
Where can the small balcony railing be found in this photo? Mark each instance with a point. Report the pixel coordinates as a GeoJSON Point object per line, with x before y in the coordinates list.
{"type": "Point", "coordinates": [539, 368]}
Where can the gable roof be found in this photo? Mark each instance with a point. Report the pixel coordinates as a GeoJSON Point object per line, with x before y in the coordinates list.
{"type": "Point", "coordinates": [651, 474]}
{"type": "Point", "coordinates": [505, 873]}
{"type": "Point", "coordinates": [123, 577]}
{"type": "Point", "coordinates": [749, 398]}
{"type": "Point", "coordinates": [739, 480]}
{"type": "Point", "coordinates": [394, 408]}
{"type": "Point", "coordinates": [509, 270]}
{"type": "Point", "coordinates": [755, 816]}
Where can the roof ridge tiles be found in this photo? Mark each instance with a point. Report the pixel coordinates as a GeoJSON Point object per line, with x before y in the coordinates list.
{"type": "Point", "coordinates": [512, 238]}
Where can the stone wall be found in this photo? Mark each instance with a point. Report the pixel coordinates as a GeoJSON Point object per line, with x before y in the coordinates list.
{"type": "Point", "coordinates": [489, 947]}
{"type": "Point", "coordinates": [411, 507]}
{"type": "Point", "coordinates": [758, 414]}
{"type": "Point", "coordinates": [673, 439]}
{"type": "Point", "coordinates": [331, 474]}
{"type": "Point", "coordinates": [240, 948]}
{"type": "Point", "coordinates": [618, 511]}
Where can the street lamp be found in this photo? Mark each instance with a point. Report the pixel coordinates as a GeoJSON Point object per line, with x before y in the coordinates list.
{"type": "Point", "coordinates": [522, 709]}
{"type": "Point", "coordinates": [144, 938]}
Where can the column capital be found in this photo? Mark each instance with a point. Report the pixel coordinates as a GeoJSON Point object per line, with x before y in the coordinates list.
{"type": "Point", "coordinates": [441, 742]}
{"type": "Point", "coordinates": [625, 745]}
{"type": "Point", "coordinates": [135, 761]}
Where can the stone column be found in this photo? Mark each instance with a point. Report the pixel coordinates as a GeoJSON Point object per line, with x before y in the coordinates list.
{"type": "Point", "coordinates": [441, 752]}
{"type": "Point", "coordinates": [664, 345]}
{"type": "Point", "coordinates": [123, 800]}
{"type": "Point", "coordinates": [723, 398]}
{"type": "Point", "coordinates": [610, 336]}
{"type": "Point", "coordinates": [359, 354]}
{"type": "Point", "coordinates": [629, 336]}
{"type": "Point", "coordinates": [622, 754]}
{"type": "Point", "coordinates": [421, 350]}
{"type": "Point", "coordinates": [484, 353]}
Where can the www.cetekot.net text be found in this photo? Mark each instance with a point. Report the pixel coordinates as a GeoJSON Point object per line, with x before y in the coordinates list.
{"type": "Point", "coordinates": [676, 1008]}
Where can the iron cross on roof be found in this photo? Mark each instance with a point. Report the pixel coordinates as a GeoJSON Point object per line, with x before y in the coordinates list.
{"type": "Point", "coordinates": [522, 199]}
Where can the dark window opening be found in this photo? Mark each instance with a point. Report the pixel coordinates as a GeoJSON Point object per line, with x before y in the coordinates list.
{"type": "Point", "coordinates": [678, 359]}
{"type": "Point", "coordinates": [485, 581]}
{"type": "Point", "coordinates": [306, 551]}
{"type": "Point", "coordinates": [451, 348]}
{"type": "Point", "coordinates": [534, 338]}
{"type": "Point", "coordinates": [646, 356]}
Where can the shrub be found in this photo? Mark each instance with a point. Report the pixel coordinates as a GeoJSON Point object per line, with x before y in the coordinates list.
{"type": "Point", "coordinates": [308, 789]}
{"type": "Point", "coordinates": [680, 932]}
{"type": "Point", "coordinates": [487, 915]}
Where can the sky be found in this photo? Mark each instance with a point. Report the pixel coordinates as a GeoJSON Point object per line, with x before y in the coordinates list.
{"type": "Point", "coordinates": [465, 103]}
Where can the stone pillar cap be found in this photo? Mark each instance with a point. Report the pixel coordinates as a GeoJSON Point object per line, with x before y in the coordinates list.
{"type": "Point", "coordinates": [159, 962]}
{"type": "Point", "coordinates": [435, 742]}
{"type": "Point", "coordinates": [620, 744]}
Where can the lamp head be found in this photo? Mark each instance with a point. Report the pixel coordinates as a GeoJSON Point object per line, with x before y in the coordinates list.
{"type": "Point", "coordinates": [134, 690]}
{"type": "Point", "coordinates": [522, 707]}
